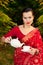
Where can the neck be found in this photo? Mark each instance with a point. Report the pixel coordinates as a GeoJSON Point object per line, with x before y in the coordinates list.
{"type": "Point", "coordinates": [26, 26]}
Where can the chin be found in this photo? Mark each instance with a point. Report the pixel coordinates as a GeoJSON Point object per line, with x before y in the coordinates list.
{"type": "Point", "coordinates": [29, 24]}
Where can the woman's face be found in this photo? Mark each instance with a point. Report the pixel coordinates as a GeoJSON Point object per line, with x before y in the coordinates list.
{"type": "Point", "coordinates": [28, 18]}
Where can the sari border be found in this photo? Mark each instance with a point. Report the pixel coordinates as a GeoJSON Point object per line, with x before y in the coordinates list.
{"type": "Point", "coordinates": [29, 35]}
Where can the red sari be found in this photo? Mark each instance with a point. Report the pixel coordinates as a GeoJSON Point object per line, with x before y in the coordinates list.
{"type": "Point", "coordinates": [32, 39]}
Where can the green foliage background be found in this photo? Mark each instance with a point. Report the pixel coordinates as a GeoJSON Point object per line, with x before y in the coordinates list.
{"type": "Point", "coordinates": [10, 15]}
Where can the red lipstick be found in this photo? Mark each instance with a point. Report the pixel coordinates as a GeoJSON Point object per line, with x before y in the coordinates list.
{"type": "Point", "coordinates": [28, 22]}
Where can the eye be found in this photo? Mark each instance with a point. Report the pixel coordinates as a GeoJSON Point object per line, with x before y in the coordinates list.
{"type": "Point", "coordinates": [29, 17]}
{"type": "Point", "coordinates": [25, 17]}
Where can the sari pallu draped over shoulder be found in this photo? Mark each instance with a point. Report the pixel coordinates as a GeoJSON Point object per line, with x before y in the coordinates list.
{"type": "Point", "coordinates": [29, 35]}
{"type": "Point", "coordinates": [34, 40]}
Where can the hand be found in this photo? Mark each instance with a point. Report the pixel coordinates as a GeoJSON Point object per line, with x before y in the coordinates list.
{"type": "Point", "coordinates": [6, 40]}
{"type": "Point", "coordinates": [37, 51]}
{"type": "Point", "coordinates": [2, 39]}
{"type": "Point", "coordinates": [30, 50]}
{"type": "Point", "coordinates": [34, 51]}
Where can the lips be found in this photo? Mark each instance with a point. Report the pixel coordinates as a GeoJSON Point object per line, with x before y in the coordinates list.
{"type": "Point", "coordinates": [28, 22]}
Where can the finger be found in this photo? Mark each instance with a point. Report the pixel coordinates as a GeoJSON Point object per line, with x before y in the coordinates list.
{"type": "Point", "coordinates": [23, 50]}
{"type": "Point", "coordinates": [10, 38]}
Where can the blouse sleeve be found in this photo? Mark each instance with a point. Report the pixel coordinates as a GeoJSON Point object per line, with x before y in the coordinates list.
{"type": "Point", "coordinates": [12, 32]}
{"type": "Point", "coordinates": [38, 41]}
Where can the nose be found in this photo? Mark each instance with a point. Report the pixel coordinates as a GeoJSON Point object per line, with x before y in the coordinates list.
{"type": "Point", "coordinates": [27, 19]}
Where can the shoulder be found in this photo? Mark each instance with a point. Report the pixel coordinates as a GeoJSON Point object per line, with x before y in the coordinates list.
{"type": "Point", "coordinates": [36, 28]}
{"type": "Point", "coordinates": [20, 26]}
{"type": "Point", "coordinates": [38, 32]}
{"type": "Point", "coordinates": [15, 27]}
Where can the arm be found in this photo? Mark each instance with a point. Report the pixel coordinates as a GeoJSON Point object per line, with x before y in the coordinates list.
{"type": "Point", "coordinates": [38, 44]}
{"type": "Point", "coordinates": [38, 41]}
{"type": "Point", "coordinates": [29, 49]}
{"type": "Point", "coordinates": [12, 32]}
{"type": "Point", "coordinates": [7, 37]}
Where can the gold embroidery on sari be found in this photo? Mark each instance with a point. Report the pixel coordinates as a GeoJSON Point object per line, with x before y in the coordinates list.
{"type": "Point", "coordinates": [29, 35]}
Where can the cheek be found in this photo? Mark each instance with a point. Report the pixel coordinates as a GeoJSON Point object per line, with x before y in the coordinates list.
{"type": "Point", "coordinates": [24, 20]}
{"type": "Point", "coordinates": [31, 19]}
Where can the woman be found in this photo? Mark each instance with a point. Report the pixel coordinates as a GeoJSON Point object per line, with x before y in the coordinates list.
{"type": "Point", "coordinates": [30, 36]}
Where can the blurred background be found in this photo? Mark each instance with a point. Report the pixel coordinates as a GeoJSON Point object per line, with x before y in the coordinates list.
{"type": "Point", "coordinates": [10, 16]}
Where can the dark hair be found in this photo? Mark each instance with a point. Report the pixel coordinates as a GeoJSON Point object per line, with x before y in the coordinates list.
{"type": "Point", "coordinates": [27, 10]}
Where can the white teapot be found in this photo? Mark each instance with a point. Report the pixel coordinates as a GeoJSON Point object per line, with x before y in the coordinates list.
{"type": "Point", "coordinates": [16, 43]}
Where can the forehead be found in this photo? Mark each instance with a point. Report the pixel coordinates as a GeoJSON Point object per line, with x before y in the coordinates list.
{"type": "Point", "coordinates": [28, 13]}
